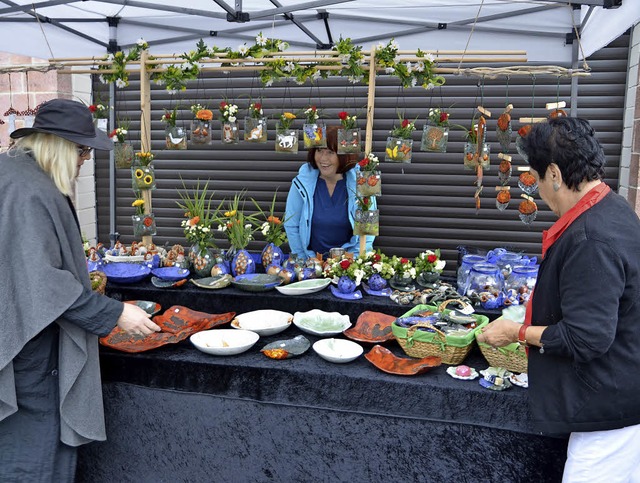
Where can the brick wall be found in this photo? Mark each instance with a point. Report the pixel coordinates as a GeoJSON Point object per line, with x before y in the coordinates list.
{"type": "Point", "coordinates": [21, 91]}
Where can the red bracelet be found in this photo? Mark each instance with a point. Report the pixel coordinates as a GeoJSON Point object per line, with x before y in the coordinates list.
{"type": "Point", "coordinates": [522, 334]}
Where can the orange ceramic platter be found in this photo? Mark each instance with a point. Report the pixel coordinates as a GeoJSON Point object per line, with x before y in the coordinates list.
{"type": "Point", "coordinates": [371, 327]}
{"type": "Point", "coordinates": [386, 361]}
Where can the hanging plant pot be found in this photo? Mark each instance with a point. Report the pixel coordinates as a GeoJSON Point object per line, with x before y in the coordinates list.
{"type": "Point", "coordinates": [144, 225]}
{"type": "Point", "coordinates": [102, 124]}
{"type": "Point", "coordinates": [200, 131]}
{"type": "Point", "coordinates": [123, 155]}
{"type": "Point", "coordinates": [434, 138]}
{"type": "Point", "coordinates": [367, 222]}
{"type": "Point", "coordinates": [287, 140]}
{"type": "Point", "coordinates": [349, 141]}
{"type": "Point", "coordinates": [472, 158]}
{"type": "Point", "coordinates": [368, 183]}
{"type": "Point", "coordinates": [314, 135]}
{"type": "Point", "coordinates": [230, 133]}
{"type": "Point", "coordinates": [255, 130]}
{"type": "Point", "coordinates": [143, 178]}
{"type": "Point", "coordinates": [527, 183]}
{"type": "Point", "coordinates": [398, 150]}
{"type": "Point", "coordinates": [175, 137]}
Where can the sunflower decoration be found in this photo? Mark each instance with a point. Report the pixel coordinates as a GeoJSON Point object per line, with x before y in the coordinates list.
{"type": "Point", "coordinates": [143, 178]}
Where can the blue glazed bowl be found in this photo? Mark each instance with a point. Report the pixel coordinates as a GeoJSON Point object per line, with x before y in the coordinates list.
{"type": "Point", "coordinates": [126, 272]}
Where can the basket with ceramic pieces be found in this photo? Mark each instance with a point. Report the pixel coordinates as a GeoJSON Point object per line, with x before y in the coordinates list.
{"type": "Point", "coordinates": [512, 357]}
{"type": "Point", "coordinates": [452, 349]}
{"type": "Point", "coordinates": [98, 281]}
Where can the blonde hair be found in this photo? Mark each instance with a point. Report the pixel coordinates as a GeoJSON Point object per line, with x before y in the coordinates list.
{"type": "Point", "coordinates": [56, 156]}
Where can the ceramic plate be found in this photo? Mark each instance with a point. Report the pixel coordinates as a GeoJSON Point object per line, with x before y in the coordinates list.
{"type": "Point", "coordinates": [318, 322]}
{"type": "Point", "coordinates": [386, 361]}
{"type": "Point", "coordinates": [224, 342]}
{"type": "Point", "coordinates": [305, 287]}
{"type": "Point", "coordinates": [152, 308]}
{"type": "Point", "coordinates": [372, 328]}
{"type": "Point", "coordinates": [219, 281]}
{"type": "Point", "coordinates": [160, 283]}
{"type": "Point", "coordinates": [256, 282]}
{"type": "Point", "coordinates": [171, 273]}
{"type": "Point", "coordinates": [125, 272]}
{"type": "Point", "coordinates": [355, 295]}
{"type": "Point", "coordinates": [285, 349]}
{"type": "Point", "coordinates": [339, 351]}
{"type": "Point", "coordinates": [521, 380]}
{"type": "Point", "coordinates": [263, 322]}
{"type": "Point", "coordinates": [385, 292]}
{"type": "Point", "coordinates": [452, 372]}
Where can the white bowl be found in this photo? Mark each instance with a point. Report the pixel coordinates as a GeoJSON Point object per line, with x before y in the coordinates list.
{"type": "Point", "coordinates": [263, 322]}
{"type": "Point", "coordinates": [224, 342]}
{"type": "Point", "coordinates": [338, 350]}
{"type": "Point", "coordinates": [318, 322]}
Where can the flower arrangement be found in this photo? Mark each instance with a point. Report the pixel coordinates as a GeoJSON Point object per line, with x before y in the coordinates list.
{"type": "Point", "coordinates": [286, 119]}
{"type": "Point", "coordinates": [346, 266]}
{"type": "Point", "coordinates": [369, 163]}
{"type": "Point", "coordinates": [439, 117]}
{"type": "Point", "coordinates": [312, 114]}
{"type": "Point", "coordinates": [99, 111]}
{"type": "Point", "coordinates": [195, 108]}
{"type": "Point", "coordinates": [138, 204]}
{"type": "Point", "coordinates": [144, 158]}
{"type": "Point", "coordinates": [119, 133]}
{"type": "Point", "coordinates": [347, 121]}
{"type": "Point", "coordinates": [170, 117]}
{"type": "Point", "coordinates": [378, 263]}
{"type": "Point", "coordinates": [255, 110]}
{"type": "Point", "coordinates": [364, 203]}
{"type": "Point", "coordinates": [429, 261]}
{"type": "Point", "coordinates": [204, 115]}
{"type": "Point", "coordinates": [197, 209]}
{"type": "Point", "coordinates": [236, 225]}
{"type": "Point", "coordinates": [228, 111]}
{"type": "Point", "coordinates": [405, 129]}
{"type": "Point", "coordinates": [403, 267]}
{"type": "Point", "coordinates": [273, 227]}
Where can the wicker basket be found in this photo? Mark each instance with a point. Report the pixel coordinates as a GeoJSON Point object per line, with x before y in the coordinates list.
{"type": "Point", "coordinates": [451, 349]}
{"type": "Point", "coordinates": [512, 357]}
{"type": "Point", "coordinates": [98, 281]}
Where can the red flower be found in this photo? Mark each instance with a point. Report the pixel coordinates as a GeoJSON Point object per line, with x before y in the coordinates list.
{"type": "Point", "coordinates": [113, 133]}
{"type": "Point", "coordinates": [363, 162]}
{"type": "Point", "coordinates": [257, 106]}
{"type": "Point", "coordinates": [344, 264]}
{"type": "Point", "coordinates": [313, 108]}
{"type": "Point", "coordinates": [432, 259]}
{"type": "Point", "coordinates": [404, 260]}
{"type": "Point", "coordinates": [405, 123]}
{"type": "Point", "coordinates": [93, 108]}
{"type": "Point", "coordinates": [343, 115]}
{"type": "Point", "coordinates": [376, 258]}
{"type": "Point", "coordinates": [223, 105]}
{"type": "Point", "coordinates": [444, 116]}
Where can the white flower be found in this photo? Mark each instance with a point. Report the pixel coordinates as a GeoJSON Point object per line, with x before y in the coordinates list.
{"type": "Point", "coordinates": [283, 46]}
{"type": "Point", "coordinates": [141, 42]}
{"type": "Point", "coordinates": [243, 49]}
{"type": "Point", "coordinates": [316, 75]}
{"type": "Point", "coordinates": [396, 59]}
{"type": "Point", "coordinates": [345, 58]}
{"type": "Point", "coordinates": [288, 67]}
{"type": "Point", "coordinates": [232, 118]}
{"type": "Point", "coordinates": [380, 46]}
{"type": "Point", "coordinates": [430, 57]}
{"type": "Point", "coordinates": [172, 91]}
{"type": "Point", "coordinates": [205, 229]}
{"type": "Point", "coordinates": [222, 228]}
{"type": "Point", "coordinates": [394, 45]}
{"type": "Point", "coordinates": [120, 83]}
{"type": "Point", "coordinates": [261, 40]}
{"type": "Point", "coordinates": [359, 274]}
{"type": "Point", "coordinates": [412, 272]}
{"type": "Point", "coordinates": [159, 82]}
{"type": "Point", "coordinates": [247, 226]}
{"type": "Point", "coordinates": [102, 79]}
{"type": "Point", "coordinates": [440, 265]}
{"type": "Point", "coordinates": [430, 86]}
{"type": "Point", "coordinates": [352, 79]}
{"type": "Point", "coordinates": [389, 70]}
{"type": "Point", "coordinates": [419, 66]}
{"type": "Point", "coordinates": [185, 66]}
{"type": "Point", "coordinates": [377, 267]}
{"type": "Point", "coordinates": [409, 66]}
{"type": "Point", "coordinates": [269, 83]}
{"type": "Point", "coordinates": [414, 81]}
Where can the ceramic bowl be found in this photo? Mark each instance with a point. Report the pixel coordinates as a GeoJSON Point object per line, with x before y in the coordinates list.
{"type": "Point", "coordinates": [372, 328]}
{"type": "Point", "coordinates": [388, 362]}
{"type": "Point", "coordinates": [224, 342]}
{"type": "Point", "coordinates": [305, 287]}
{"type": "Point", "coordinates": [256, 282]}
{"type": "Point", "coordinates": [125, 272]}
{"type": "Point", "coordinates": [338, 350]}
{"type": "Point", "coordinates": [170, 273]}
{"type": "Point", "coordinates": [263, 322]}
{"type": "Point", "coordinates": [318, 322]}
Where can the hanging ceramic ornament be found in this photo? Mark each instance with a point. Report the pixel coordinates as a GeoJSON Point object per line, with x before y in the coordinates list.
{"type": "Point", "coordinates": [556, 109]}
{"type": "Point", "coordinates": [504, 170]}
{"type": "Point", "coordinates": [527, 182]}
{"type": "Point", "coordinates": [528, 210]}
{"type": "Point", "coordinates": [503, 197]}
{"type": "Point", "coordinates": [503, 129]}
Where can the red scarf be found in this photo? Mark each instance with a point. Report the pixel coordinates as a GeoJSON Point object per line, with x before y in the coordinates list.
{"type": "Point", "coordinates": [549, 237]}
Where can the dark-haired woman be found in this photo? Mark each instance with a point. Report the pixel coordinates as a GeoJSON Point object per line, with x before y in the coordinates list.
{"type": "Point", "coordinates": [321, 205]}
{"type": "Point", "coordinates": [583, 320]}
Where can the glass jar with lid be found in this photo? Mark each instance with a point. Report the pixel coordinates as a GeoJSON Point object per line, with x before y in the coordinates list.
{"type": "Point", "coordinates": [506, 261]}
{"type": "Point", "coordinates": [484, 277]}
{"type": "Point", "coordinates": [465, 267]}
{"type": "Point", "coordinates": [522, 280]}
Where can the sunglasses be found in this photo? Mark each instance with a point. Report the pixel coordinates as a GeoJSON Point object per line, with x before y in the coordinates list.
{"type": "Point", "coordinates": [84, 151]}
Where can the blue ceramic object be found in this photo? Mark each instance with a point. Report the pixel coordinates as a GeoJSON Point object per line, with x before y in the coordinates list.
{"type": "Point", "coordinates": [242, 263]}
{"type": "Point", "coordinates": [93, 266]}
{"type": "Point", "coordinates": [171, 273]}
{"type": "Point", "coordinates": [220, 269]}
{"type": "Point", "coordinates": [256, 282]}
{"type": "Point", "coordinates": [154, 262]}
{"type": "Point", "coordinates": [355, 295]}
{"type": "Point", "coordinates": [376, 282]}
{"type": "Point", "coordinates": [287, 275]}
{"type": "Point", "coordinates": [126, 272]}
{"type": "Point", "coordinates": [272, 255]}
{"type": "Point", "coordinates": [385, 292]}
{"type": "Point", "coordinates": [307, 273]}
{"type": "Point", "coordinates": [346, 284]}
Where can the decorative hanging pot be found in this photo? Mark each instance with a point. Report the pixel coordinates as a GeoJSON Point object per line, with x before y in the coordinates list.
{"type": "Point", "coordinates": [123, 155]}
{"type": "Point", "coordinates": [349, 141]}
{"type": "Point", "coordinates": [398, 150]}
{"type": "Point", "coordinates": [368, 183]}
{"type": "Point", "coordinates": [230, 133]}
{"type": "Point", "coordinates": [313, 135]}
{"type": "Point", "coordinates": [434, 138]}
{"type": "Point", "coordinates": [287, 140]}
{"type": "Point", "coordinates": [255, 130]}
{"type": "Point", "coordinates": [175, 137]}
{"type": "Point", "coordinates": [143, 178]}
{"type": "Point", "coordinates": [367, 222]}
{"type": "Point", "coordinates": [144, 225]}
{"type": "Point", "coordinates": [200, 131]}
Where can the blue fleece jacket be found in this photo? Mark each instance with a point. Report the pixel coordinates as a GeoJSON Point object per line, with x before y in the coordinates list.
{"type": "Point", "coordinates": [299, 211]}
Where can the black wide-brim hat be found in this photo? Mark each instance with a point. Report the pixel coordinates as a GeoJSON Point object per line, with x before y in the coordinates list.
{"type": "Point", "coordinates": [70, 120]}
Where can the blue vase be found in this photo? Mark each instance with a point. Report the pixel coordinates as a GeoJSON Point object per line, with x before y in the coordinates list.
{"type": "Point", "coordinates": [346, 284]}
{"type": "Point", "coordinates": [272, 255]}
{"type": "Point", "coordinates": [220, 269]}
{"type": "Point", "coordinates": [307, 273]}
{"type": "Point", "coordinates": [376, 282]}
{"type": "Point", "coordinates": [242, 263]}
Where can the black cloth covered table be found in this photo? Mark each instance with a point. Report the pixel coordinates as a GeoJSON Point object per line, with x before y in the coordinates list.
{"type": "Point", "coordinates": [176, 414]}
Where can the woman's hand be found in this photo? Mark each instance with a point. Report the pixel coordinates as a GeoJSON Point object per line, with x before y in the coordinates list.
{"type": "Point", "coordinates": [135, 321]}
{"type": "Point", "coordinates": [499, 333]}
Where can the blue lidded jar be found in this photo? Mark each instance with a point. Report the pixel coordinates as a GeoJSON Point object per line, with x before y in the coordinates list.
{"type": "Point", "coordinates": [468, 261]}
{"type": "Point", "coordinates": [522, 280]}
{"type": "Point", "coordinates": [506, 261]}
{"type": "Point", "coordinates": [484, 277]}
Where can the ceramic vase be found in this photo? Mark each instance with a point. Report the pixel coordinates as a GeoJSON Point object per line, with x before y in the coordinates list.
{"type": "Point", "coordinates": [313, 135]}
{"type": "Point", "coordinates": [427, 279]}
{"type": "Point", "coordinates": [376, 282]}
{"type": "Point", "coordinates": [271, 255]}
{"type": "Point", "coordinates": [229, 134]}
{"type": "Point", "coordinates": [398, 150]}
{"type": "Point", "coordinates": [144, 225]}
{"type": "Point", "coordinates": [255, 130]}
{"type": "Point", "coordinates": [200, 131]}
{"type": "Point", "coordinates": [123, 155]}
{"type": "Point", "coordinates": [346, 284]}
{"type": "Point", "coordinates": [368, 183]}
{"type": "Point", "coordinates": [286, 140]}
{"type": "Point", "coordinates": [203, 260]}
{"type": "Point", "coordinates": [175, 137]}
{"type": "Point", "coordinates": [403, 283]}
{"type": "Point", "coordinates": [434, 138]}
{"type": "Point", "coordinates": [242, 263]}
{"type": "Point", "coordinates": [349, 141]}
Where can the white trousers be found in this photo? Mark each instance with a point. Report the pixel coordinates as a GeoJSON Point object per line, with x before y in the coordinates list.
{"type": "Point", "coordinates": [604, 456]}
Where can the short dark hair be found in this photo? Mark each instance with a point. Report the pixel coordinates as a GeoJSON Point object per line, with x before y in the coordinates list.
{"type": "Point", "coordinates": [346, 161]}
{"type": "Point", "coordinates": [569, 142]}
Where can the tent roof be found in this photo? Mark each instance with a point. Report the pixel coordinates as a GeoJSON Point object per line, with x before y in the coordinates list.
{"type": "Point", "coordinates": [73, 28]}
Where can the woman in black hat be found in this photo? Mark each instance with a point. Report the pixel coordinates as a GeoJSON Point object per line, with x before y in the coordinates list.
{"type": "Point", "coordinates": [50, 319]}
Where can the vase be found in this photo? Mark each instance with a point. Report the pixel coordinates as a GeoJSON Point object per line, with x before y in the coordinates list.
{"type": "Point", "coordinates": [427, 279]}
{"type": "Point", "coordinates": [204, 259]}
{"type": "Point", "coordinates": [346, 284]}
{"type": "Point", "coordinates": [313, 135]}
{"type": "Point", "coordinates": [376, 282]}
{"type": "Point", "coordinates": [368, 183]}
{"type": "Point", "coordinates": [434, 138]}
{"type": "Point", "coordinates": [143, 178]}
{"type": "Point", "coordinates": [349, 141]}
{"type": "Point", "coordinates": [286, 140]}
{"type": "Point", "coordinates": [102, 124]}
{"type": "Point", "coordinates": [271, 255]}
{"type": "Point", "coordinates": [123, 155]}
{"type": "Point", "coordinates": [398, 150]}
{"type": "Point", "coordinates": [175, 137]}
{"type": "Point", "coordinates": [200, 131]}
{"type": "Point", "coordinates": [230, 133]}
{"type": "Point", "coordinates": [144, 225]}
{"type": "Point", "coordinates": [242, 263]}
{"type": "Point", "coordinates": [402, 282]}
{"type": "Point", "coordinates": [367, 222]}
{"type": "Point", "coordinates": [255, 130]}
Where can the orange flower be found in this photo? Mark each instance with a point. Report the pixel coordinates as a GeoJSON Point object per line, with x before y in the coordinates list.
{"type": "Point", "coordinates": [274, 219]}
{"type": "Point", "coordinates": [204, 115]}
{"type": "Point", "coordinates": [194, 221]}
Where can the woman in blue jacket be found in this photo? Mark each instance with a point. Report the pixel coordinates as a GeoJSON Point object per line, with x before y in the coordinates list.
{"type": "Point", "coordinates": [321, 204]}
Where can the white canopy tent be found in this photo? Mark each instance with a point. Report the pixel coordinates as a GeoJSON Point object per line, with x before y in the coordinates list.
{"type": "Point", "coordinates": [544, 28]}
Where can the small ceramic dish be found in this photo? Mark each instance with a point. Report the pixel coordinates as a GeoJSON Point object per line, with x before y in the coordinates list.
{"type": "Point", "coordinates": [286, 349]}
{"type": "Point", "coordinates": [263, 322]}
{"type": "Point", "coordinates": [219, 281]}
{"type": "Point", "coordinates": [318, 322]}
{"type": "Point", "coordinates": [372, 328]}
{"type": "Point", "coordinates": [385, 292]}
{"type": "Point", "coordinates": [339, 351]}
{"type": "Point", "coordinates": [305, 287]}
{"type": "Point", "coordinates": [152, 308]}
{"type": "Point", "coordinates": [125, 272]}
{"type": "Point", "coordinates": [256, 282]}
{"type": "Point", "coordinates": [454, 372]}
{"type": "Point", "coordinates": [355, 295]}
{"type": "Point", "coordinates": [224, 342]}
{"type": "Point", "coordinates": [388, 362]}
{"type": "Point", "coordinates": [170, 273]}
{"type": "Point", "coordinates": [495, 378]}
{"type": "Point", "coordinates": [160, 283]}
{"type": "Point", "coordinates": [521, 380]}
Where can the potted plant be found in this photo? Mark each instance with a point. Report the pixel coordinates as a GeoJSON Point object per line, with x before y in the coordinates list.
{"type": "Point", "coordinates": [347, 272]}
{"type": "Point", "coordinates": [473, 159]}
{"type": "Point", "coordinates": [142, 172]}
{"type": "Point", "coordinates": [400, 145]}
{"type": "Point", "coordinates": [436, 131]}
{"type": "Point", "coordinates": [201, 124]}
{"type": "Point", "coordinates": [100, 114]}
{"type": "Point", "coordinates": [122, 150]}
{"type": "Point", "coordinates": [144, 224]}
{"type": "Point", "coordinates": [429, 266]}
{"type": "Point", "coordinates": [255, 124]}
{"type": "Point", "coordinates": [404, 274]}
{"type": "Point", "coordinates": [313, 130]}
{"type": "Point", "coordinates": [348, 134]}
{"type": "Point", "coordinates": [368, 178]}
{"type": "Point", "coordinates": [378, 270]}
{"type": "Point", "coordinates": [272, 228]}
{"type": "Point", "coordinates": [229, 121]}
{"type": "Point", "coordinates": [239, 228]}
{"type": "Point", "coordinates": [286, 136]}
{"type": "Point", "coordinates": [175, 137]}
